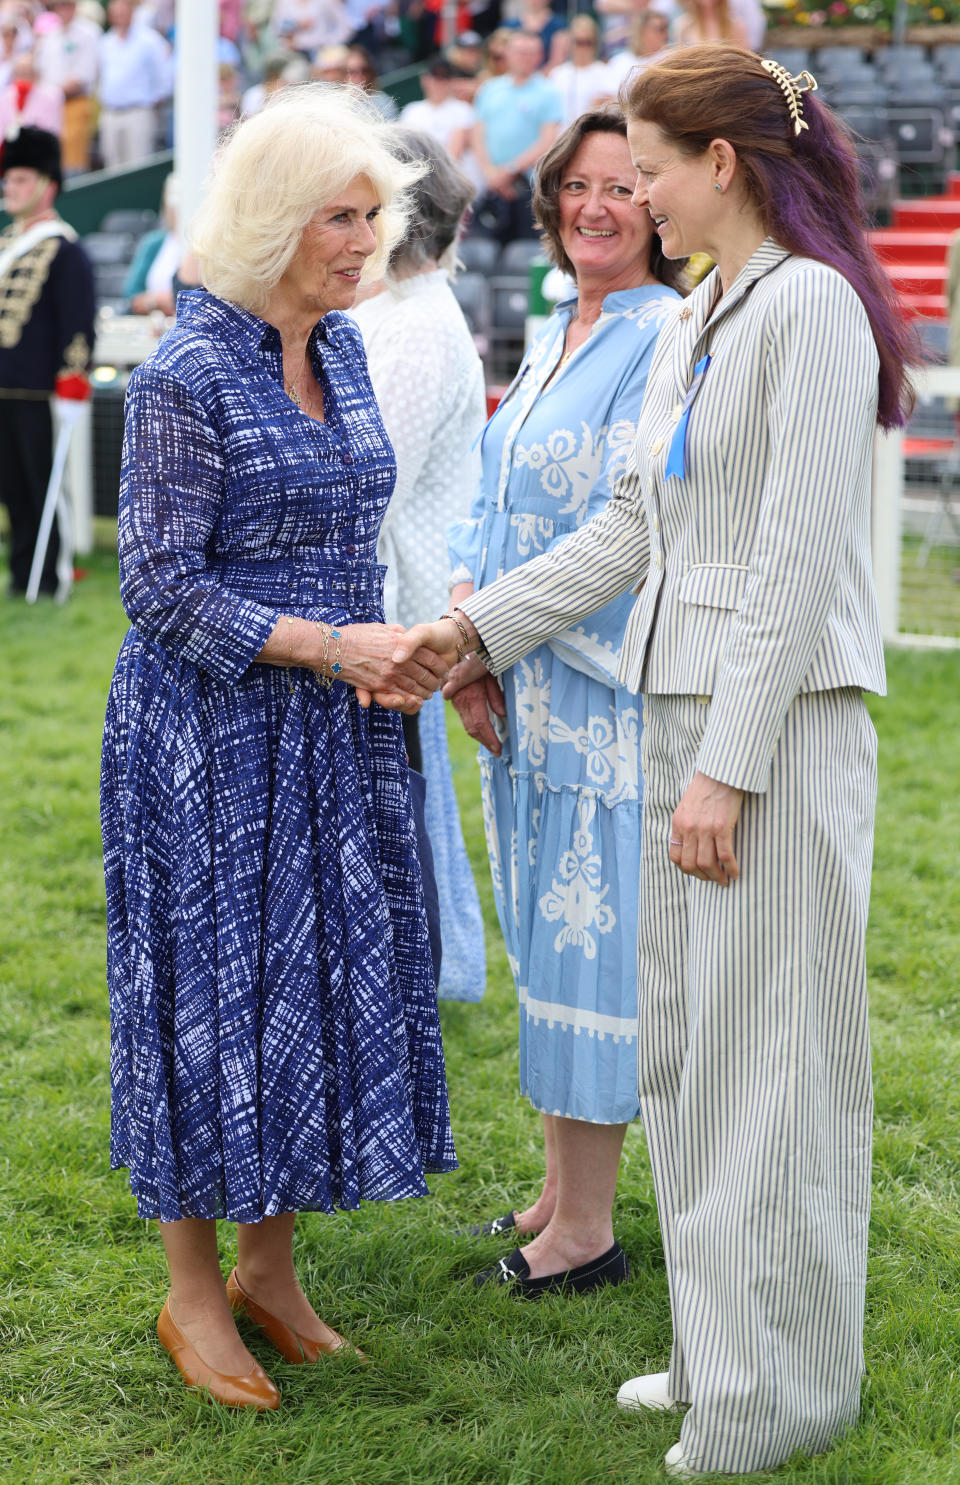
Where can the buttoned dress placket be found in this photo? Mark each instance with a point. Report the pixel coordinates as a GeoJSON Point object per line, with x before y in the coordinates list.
{"type": "Point", "coordinates": [529, 385]}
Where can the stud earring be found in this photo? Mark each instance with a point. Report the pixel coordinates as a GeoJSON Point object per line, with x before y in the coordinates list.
{"type": "Point", "coordinates": [717, 186]}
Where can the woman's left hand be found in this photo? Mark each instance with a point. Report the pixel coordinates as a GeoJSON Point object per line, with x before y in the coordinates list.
{"type": "Point", "coordinates": [701, 833]}
{"type": "Point", "coordinates": [475, 693]}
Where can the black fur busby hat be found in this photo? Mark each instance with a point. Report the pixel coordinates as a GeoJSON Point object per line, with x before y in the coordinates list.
{"type": "Point", "coordinates": [32, 149]}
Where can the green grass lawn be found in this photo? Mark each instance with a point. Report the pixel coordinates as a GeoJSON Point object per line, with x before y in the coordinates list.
{"type": "Point", "coordinates": [464, 1388]}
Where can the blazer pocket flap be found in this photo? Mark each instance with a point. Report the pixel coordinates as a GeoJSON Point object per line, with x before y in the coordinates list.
{"type": "Point", "coordinates": [714, 584]}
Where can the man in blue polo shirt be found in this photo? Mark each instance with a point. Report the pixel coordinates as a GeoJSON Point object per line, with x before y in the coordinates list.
{"type": "Point", "coordinates": [518, 118]}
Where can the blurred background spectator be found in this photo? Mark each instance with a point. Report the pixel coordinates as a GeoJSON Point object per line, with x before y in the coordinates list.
{"type": "Point", "coordinates": [149, 285]}
{"type": "Point", "coordinates": [518, 118]}
{"type": "Point", "coordinates": [67, 57]}
{"type": "Point", "coordinates": [228, 95]}
{"type": "Point", "coordinates": [583, 80]}
{"type": "Point", "coordinates": [470, 55]}
{"type": "Point", "coordinates": [330, 64]}
{"type": "Point", "coordinates": [538, 18]}
{"type": "Point", "coordinates": [10, 46]}
{"type": "Point", "coordinates": [649, 41]}
{"type": "Point", "coordinates": [307, 25]}
{"type": "Point", "coordinates": [438, 113]}
{"type": "Point", "coordinates": [706, 21]}
{"type": "Point", "coordinates": [750, 16]}
{"type": "Point", "coordinates": [24, 100]}
{"type": "Point", "coordinates": [362, 71]}
{"type": "Point", "coordinates": [134, 78]}
{"type": "Point", "coordinates": [618, 17]}
{"type": "Point", "coordinates": [273, 78]}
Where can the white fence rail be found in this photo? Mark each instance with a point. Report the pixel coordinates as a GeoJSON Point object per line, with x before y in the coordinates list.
{"type": "Point", "coordinates": [927, 511]}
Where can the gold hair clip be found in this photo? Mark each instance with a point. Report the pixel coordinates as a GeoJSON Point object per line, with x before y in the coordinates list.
{"type": "Point", "coordinates": [793, 89]}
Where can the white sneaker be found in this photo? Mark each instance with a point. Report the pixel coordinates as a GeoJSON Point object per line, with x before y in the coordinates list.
{"type": "Point", "coordinates": [647, 1392]}
{"type": "Point", "coordinates": [675, 1463]}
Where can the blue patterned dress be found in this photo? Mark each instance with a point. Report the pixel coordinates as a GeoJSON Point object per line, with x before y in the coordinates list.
{"type": "Point", "coordinates": [562, 803]}
{"type": "Point", "coordinates": [275, 1044]}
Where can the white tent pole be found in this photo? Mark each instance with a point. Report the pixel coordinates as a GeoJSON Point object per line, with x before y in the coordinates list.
{"type": "Point", "coordinates": [49, 513]}
{"type": "Point", "coordinates": [886, 524]}
{"type": "Point", "coordinates": [194, 101]}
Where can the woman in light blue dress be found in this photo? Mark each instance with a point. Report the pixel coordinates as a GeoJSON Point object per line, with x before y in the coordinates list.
{"type": "Point", "coordinates": [560, 767]}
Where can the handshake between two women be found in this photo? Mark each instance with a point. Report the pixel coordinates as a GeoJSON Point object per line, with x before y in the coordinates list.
{"type": "Point", "coordinates": [468, 684]}
{"type": "Point", "coordinates": [444, 649]}
{"type": "Point", "coordinates": [396, 667]}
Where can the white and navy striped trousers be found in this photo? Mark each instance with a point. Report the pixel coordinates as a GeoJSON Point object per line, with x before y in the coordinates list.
{"type": "Point", "coordinates": [755, 1084]}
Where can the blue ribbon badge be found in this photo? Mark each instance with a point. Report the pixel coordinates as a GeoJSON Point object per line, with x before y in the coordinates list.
{"type": "Point", "coordinates": [676, 458]}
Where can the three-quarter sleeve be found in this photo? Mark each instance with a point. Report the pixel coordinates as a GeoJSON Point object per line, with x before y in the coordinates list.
{"type": "Point", "coordinates": [171, 494]}
{"type": "Point", "coordinates": [464, 542]}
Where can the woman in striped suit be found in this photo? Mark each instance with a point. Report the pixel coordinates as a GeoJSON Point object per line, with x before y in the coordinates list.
{"type": "Point", "coordinates": [744, 526]}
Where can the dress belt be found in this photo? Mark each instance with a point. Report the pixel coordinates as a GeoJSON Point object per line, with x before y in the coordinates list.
{"type": "Point", "coordinates": [356, 590]}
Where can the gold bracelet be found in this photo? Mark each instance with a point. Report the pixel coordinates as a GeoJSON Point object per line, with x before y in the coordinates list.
{"type": "Point", "coordinates": [461, 650]}
{"type": "Point", "coordinates": [327, 679]}
{"type": "Point", "coordinates": [289, 641]}
{"type": "Point", "coordinates": [481, 651]}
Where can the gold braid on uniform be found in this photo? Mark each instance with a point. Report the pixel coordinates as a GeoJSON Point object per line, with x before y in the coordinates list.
{"type": "Point", "coordinates": [76, 357]}
{"type": "Point", "coordinates": [793, 89]}
{"type": "Point", "coordinates": [22, 287]}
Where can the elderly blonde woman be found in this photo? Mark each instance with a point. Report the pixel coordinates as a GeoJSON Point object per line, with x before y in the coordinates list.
{"type": "Point", "coordinates": [275, 1040]}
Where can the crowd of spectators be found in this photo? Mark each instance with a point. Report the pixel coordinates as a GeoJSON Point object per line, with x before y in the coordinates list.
{"type": "Point", "coordinates": [100, 73]}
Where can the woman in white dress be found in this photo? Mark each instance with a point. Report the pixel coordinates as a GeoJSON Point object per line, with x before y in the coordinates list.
{"type": "Point", "coordinates": [428, 381]}
{"type": "Point", "coordinates": [583, 80]}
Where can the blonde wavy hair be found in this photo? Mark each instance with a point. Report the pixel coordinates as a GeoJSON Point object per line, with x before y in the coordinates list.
{"type": "Point", "coordinates": [276, 169]}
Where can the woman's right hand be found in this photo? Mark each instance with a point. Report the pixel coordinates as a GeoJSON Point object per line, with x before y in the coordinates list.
{"type": "Point", "coordinates": [366, 655]}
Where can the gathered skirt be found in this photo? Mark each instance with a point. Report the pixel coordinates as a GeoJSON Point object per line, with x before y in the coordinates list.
{"type": "Point", "coordinates": [275, 1042]}
{"type": "Point", "coordinates": [562, 811]}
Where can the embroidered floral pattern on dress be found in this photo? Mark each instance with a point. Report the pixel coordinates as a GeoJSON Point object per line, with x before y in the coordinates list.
{"type": "Point", "coordinates": [576, 898]}
{"type": "Point", "coordinates": [562, 802]}
{"type": "Point", "coordinates": [609, 752]}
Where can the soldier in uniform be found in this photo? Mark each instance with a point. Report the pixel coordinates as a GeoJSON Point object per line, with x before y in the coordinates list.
{"type": "Point", "coordinates": [46, 338]}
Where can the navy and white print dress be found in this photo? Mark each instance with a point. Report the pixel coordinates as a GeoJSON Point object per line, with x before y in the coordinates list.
{"type": "Point", "coordinates": [275, 1044]}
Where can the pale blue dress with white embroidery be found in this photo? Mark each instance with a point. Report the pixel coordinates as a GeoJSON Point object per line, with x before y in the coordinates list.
{"type": "Point", "coordinates": [562, 803]}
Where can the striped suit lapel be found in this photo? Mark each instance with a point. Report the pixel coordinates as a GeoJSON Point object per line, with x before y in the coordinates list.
{"type": "Point", "coordinates": [694, 330]}
{"type": "Point", "coordinates": [691, 323]}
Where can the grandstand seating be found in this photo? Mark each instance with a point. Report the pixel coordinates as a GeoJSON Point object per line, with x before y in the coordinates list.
{"type": "Point", "coordinates": [914, 249]}
{"type": "Point", "coordinates": [903, 105]}
{"type": "Point", "coordinates": [111, 251]}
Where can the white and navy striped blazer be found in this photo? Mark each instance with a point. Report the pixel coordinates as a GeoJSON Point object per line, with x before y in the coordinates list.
{"type": "Point", "coordinates": [754, 569]}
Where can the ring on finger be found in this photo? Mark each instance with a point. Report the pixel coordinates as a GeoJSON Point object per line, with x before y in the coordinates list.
{"type": "Point", "coordinates": [676, 843]}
